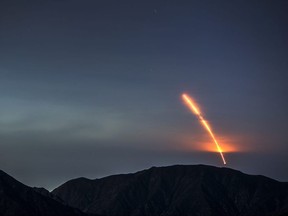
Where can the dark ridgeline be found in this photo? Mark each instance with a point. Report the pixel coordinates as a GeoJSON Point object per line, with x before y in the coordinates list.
{"type": "Point", "coordinates": [175, 190]}
{"type": "Point", "coordinates": [178, 190]}
{"type": "Point", "coordinates": [20, 200]}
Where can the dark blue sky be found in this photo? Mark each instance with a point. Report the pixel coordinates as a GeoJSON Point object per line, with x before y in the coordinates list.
{"type": "Point", "coordinates": [91, 88]}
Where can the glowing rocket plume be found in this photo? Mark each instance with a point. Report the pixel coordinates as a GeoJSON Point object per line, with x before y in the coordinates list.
{"type": "Point", "coordinates": [192, 106]}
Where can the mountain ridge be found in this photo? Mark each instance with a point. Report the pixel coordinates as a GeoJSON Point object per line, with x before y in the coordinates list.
{"type": "Point", "coordinates": [178, 190]}
{"type": "Point", "coordinates": [175, 165]}
{"type": "Point", "coordinates": [166, 191]}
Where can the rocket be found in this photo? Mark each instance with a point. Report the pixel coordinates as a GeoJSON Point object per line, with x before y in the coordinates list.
{"type": "Point", "coordinates": [196, 110]}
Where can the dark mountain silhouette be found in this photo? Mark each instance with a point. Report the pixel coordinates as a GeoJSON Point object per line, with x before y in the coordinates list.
{"type": "Point", "coordinates": [17, 199]}
{"type": "Point", "coordinates": [175, 190]}
{"type": "Point", "coordinates": [178, 190]}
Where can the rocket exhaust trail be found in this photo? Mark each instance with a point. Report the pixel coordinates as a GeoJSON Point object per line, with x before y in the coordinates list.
{"type": "Point", "coordinates": [192, 106]}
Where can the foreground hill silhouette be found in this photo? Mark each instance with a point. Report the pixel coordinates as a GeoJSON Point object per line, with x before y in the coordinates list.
{"type": "Point", "coordinates": [178, 190]}
{"type": "Point", "coordinates": [20, 200]}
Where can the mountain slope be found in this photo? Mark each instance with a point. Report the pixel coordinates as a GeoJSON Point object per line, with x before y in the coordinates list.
{"type": "Point", "coordinates": [21, 200]}
{"type": "Point", "coordinates": [178, 190]}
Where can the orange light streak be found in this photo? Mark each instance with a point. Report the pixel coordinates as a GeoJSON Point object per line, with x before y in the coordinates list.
{"type": "Point", "coordinates": [192, 106]}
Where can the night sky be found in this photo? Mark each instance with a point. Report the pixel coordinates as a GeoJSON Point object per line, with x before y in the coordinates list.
{"type": "Point", "coordinates": [92, 88]}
